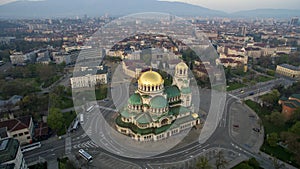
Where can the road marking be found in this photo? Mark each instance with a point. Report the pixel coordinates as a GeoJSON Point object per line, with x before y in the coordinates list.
{"type": "Point", "coordinates": [68, 145]}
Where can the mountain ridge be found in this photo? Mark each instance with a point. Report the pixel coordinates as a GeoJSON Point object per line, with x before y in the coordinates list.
{"type": "Point", "coordinates": [72, 8]}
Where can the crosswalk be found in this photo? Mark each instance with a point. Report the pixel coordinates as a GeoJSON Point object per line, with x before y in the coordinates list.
{"type": "Point", "coordinates": [87, 144]}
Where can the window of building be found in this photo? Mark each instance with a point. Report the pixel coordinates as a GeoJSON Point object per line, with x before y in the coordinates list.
{"type": "Point", "coordinates": [26, 133]}
{"type": "Point", "coordinates": [28, 137]}
{"type": "Point", "coordinates": [20, 134]}
{"type": "Point", "coordinates": [15, 135]}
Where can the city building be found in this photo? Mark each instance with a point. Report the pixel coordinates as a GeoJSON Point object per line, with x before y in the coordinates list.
{"type": "Point", "coordinates": [19, 128]}
{"type": "Point", "coordinates": [155, 112]}
{"type": "Point", "coordinates": [288, 70]}
{"type": "Point", "coordinates": [133, 68]}
{"type": "Point", "coordinates": [89, 77]}
{"type": "Point", "coordinates": [226, 62]}
{"type": "Point", "coordinates": [289, 105]}
{"type": "Point", "coordinates": [18, 58]}
{"type": "Point", "coordinates": [294, 21]}
{"type": "Point", "coordinates": [43, 57]}
{"type": "Point", "coordinates": [11, 156]}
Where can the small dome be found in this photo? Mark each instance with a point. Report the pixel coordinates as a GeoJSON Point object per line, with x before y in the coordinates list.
{"type": "Point", "coordinates": [181, 65]}
{"type": "Point", "coordinates": [172, 91]}
{"type": "Point", "coordinates": [150, 78]}
{"type": "Point", "coordinates": [158, 102]}
{"type": "Point", "coordinates": [186, 90]}
{"type": "Point", "coordinates": [135, 99]}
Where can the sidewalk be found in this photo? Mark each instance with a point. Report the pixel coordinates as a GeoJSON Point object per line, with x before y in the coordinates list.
{"type": "Point", "coordinates": [286, 165]}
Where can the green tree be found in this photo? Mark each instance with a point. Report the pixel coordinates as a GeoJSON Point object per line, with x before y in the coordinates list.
{"type": "Point", "coordinates": [292, 140]}
{"type": "Point", "coordinates": [296, 128]}
{"type": "Point", "coordinates": [252, 162]}
{"type": "Point", "coordinates": [276, 118]}
{"type": "Point", "coordinates": [272, 139]}
{"type": "Point", "coordinates": [202, 163]}
{"type": "Point", "coordinates": [220, 160]}
{"type": "Point", "coordinates": [270, 99]}
{"type": "Point", "coordinates": [295, 116]}
{"type": "Point", "coordinates": [55, 119]}
{"type": "Point", "coordinates": [243, 166]}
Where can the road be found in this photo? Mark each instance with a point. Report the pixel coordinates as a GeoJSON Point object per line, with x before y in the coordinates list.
{"type": "Point", "coordinates": [243, 143]}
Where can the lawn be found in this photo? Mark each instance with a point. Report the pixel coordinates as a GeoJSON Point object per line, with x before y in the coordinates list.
{"type": "Point", "coordinates": [263, 78]}
{"type": "Point", "coordinates": [51, 80]}
{"type": "Point", "coordinates": [234, 86]}
{"type": "Point", "coordinates": [101, 93]}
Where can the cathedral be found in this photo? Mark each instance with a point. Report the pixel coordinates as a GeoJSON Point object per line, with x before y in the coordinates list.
{"type": "Point", "coordinates": [155, 112]}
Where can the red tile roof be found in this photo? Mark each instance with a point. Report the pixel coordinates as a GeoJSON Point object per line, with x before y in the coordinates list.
{"type": "Point", "coordinates": [16, 124]}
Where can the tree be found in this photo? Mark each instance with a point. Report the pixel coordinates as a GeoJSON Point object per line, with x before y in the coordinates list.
{"type": "Point", "coordinates": [272, 139]}
{"type": "Point", "coordinates": [292, 141]}
{"type": "Point", "coordinates": [220, 160]}
{"type": "Point", "coordinates": [295, 116]}
{"type": "Point", "coordinates": [55, 119]}
{"type": "Point", "coordinates": [252, 162]}
{"type": "Point", "coordinates": [296, 128]}
{"type": "Point", "coordinates": [276, 118]}
{"type": "Point", "coordinates": [202, 163]}
{"type": "Point", "coordinates": [243, 166]}
{"type": "Point", "coordinates": [270, 99]}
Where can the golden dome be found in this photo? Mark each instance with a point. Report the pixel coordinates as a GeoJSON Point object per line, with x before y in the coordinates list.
{"type": "Point", "coordinates": [181, 65]}
{"type": "Point", "coordinates": [151, 78]}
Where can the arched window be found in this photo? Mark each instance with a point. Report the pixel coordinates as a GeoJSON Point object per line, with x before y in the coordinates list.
{"type": "Point", "coordinates": [164, 121]}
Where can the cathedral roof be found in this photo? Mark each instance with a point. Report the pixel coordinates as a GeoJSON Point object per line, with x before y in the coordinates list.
{"type": "Point", "coordinates": [172, 91]}
{"type": "Point", "coordinates": [150, 78]}
{"type": "Point", "coordinates": [144, 118]}
{"type": "Point", "coordinates": [158, 102]}
{"type": "Point", "coordinates": [135, 99]}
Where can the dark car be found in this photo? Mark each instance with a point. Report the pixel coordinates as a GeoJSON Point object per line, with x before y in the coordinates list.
{"type": "Point", "coordinates": [256, 129]}
{"type": "Point", "coordinates": [236, 125]}
{"type": "Point", "coordinates": [251, 116]}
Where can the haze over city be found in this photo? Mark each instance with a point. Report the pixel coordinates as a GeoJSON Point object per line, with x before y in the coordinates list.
{"type": "Point", "coordinates": [238, 5]}
{"type": "Point", "coordinates": [227, 6]}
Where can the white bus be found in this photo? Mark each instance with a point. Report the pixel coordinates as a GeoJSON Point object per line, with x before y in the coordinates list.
{"type": "Point", "coordinates": [81, 118]}
{"type": "Point", "coordinates": [75, 125]}
{"type": "Point", "coordinates": [31, 147]}
{"type": "Point", "coordinates": [90, 108]}
{"type": "Point", "coordinates": [85, 155]}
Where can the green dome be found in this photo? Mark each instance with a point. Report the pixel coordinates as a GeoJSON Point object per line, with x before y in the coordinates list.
{"type": "Point", "coordinates": [158, 102]}
{"type": "Point", "coordinates": [172, 91]}
{"type": "Point", "coordinates": [135, 99]}
{"type": "Point", "coordinates": [186, 90]}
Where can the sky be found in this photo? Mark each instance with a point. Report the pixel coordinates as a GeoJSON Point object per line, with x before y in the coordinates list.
{"type": "Point", "coordinates": [230, 5]}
